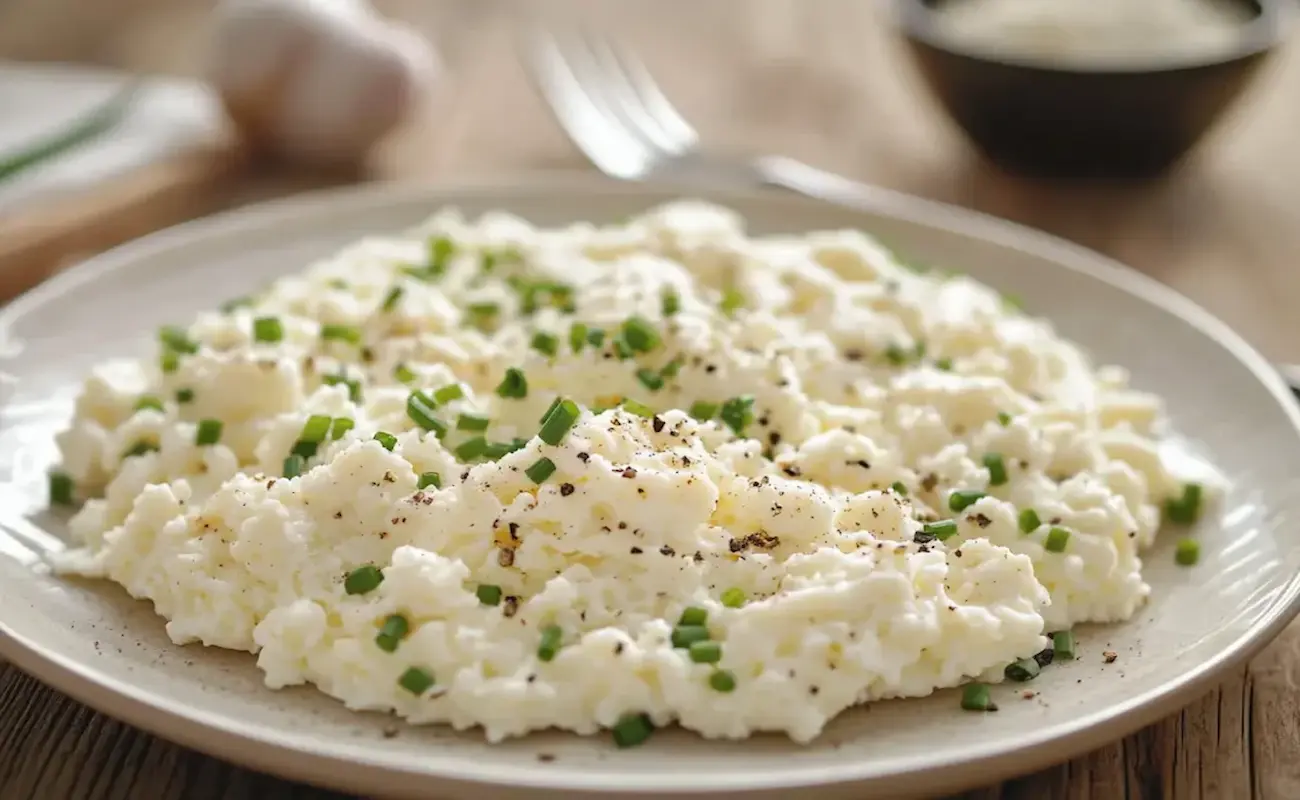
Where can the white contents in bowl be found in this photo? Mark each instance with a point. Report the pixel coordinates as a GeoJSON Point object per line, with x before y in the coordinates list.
{"type": "Point", "coordinates": [1097, 32]}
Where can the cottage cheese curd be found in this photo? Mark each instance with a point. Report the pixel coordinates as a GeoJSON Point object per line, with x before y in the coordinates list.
{"type": "Point", "coordinates": [853, 479]}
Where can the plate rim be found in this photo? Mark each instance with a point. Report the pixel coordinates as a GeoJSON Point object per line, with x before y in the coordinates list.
{"type": "Point", "coordinates": [254, 746]}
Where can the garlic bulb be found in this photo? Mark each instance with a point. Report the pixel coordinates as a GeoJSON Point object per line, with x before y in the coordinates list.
{"type": "Point", "coordinates": [316, 80]}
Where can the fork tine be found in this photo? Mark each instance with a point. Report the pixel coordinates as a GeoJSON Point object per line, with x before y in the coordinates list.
{"type": "Point", "coordinates": [621, 84]}
{"type": "Point", "coordinates": [656, 106]}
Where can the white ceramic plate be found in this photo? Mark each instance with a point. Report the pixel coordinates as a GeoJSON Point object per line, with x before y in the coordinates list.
{"type": "Point", "coordinates": [94, 643]}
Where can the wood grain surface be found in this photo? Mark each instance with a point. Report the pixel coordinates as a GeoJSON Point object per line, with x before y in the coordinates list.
{"type": "Point", "coordinates": [823, 81]}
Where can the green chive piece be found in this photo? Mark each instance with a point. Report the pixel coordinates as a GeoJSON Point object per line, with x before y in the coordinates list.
{"type": "Point", "coordinates": [392, 632]}
{"type": "Point", "coordinates": [632, 730]}
{"type": "Point", "coordinates": [1063, 645]}
{"type": "Point", "coordinates": [943, 364]}
{"type": "Point", "coordinates": [705, 652]}
{"type": "Point", "coordinates": [703, 411]}
{"type": "Point", "coordinates": [542, 469]}
{"type": "Point", "coordinates": [484, 310]}
{"type": "Point", "coordinates": [305, 450]}
{"type": "Point", "coordinates": [513, 385]}
{"type": "Point", "coordinates": [997, 468]}
{"type": "Point", "coordinates": [1187, 552]}
{"type": "Point", "coordinates": [419, 407]}
{"type": "Point", "coordinates": [388, 440]}
{"type": "Point", "coordinates": [672, 302]}
{"type": "Point", "coordinates": [61, 489]}
{"type": "Point", "coordinates": [428, 479]}
{"type": "Point", "coordinates": [267, 329]}
{"type": "Point", "coordinates": [1029, 521]}
{"type": "Point", "coordinates": [234, 303]}
{"type": "Point", "coordinates": [545, 343]}
{"type": "Point", "coordinates": [416, 681]}
{"type": "Point", "coordinates": [941, 530]}
{"type": "Point", "coordinates": [899, 488]}
{"type": "Point", "coordinates": [488, 594]}
{"type": "Point", "coordinates": [340, 333]}
{"type": "Point", "coordinates": [693, 615]}
{"type": "Point", "coordinates": [962, 499]}
{"type": "Point", "coordinates": [622, 350]}
{"type": "Point", "coordinates": [472, 422]}
{"type": "Point", "coordinates": [976, 697]}
{"type": "Point", "coordinates": [650, 379]}
{"type": "Point", "coordinates": [1185, 509]}
{"type": "Point", "coordinates": [684, 635]}
{"type": "Point", "coordinates": [448, 393]}
{"type": "Point", "coordinates": [354, 386]}
{"type": "Point", "coordinates": [150, 402]}
{"type": "Point", "coordinates": [722, 681]}
{"type": "Point", "coordinates": [391, 299]}
{"type": "Point", "coordinates": [497, 450]}
{"type": "Point", "coordinates": [403, 373]}
{"type": "Point", "coordinates": [140, 448]}
{"type": "Point", "coordinates": [169, 361]}
{"type": "Point", "coordinates": [595, 337]}
{"type": "Point", "coordinates": [1026, 669]}
{"type": "Point", "coordinates": [1057, 539]}
{"type": "Point", "coordinates": [177, 339]}
{"type": "Point", "coordinates": [670, 370]}
{"type": "Point", "coordinates": [554, 405]}
{"type": "Point", "coordinates": [1004, 419]}
{"type": "Point", "coordinates": [315, 429]}
{"type": "Point", "coordinates": [441, 249]}
{"type": "Point", "coordinates": [363, 580]}
{"type": "Point", "coordinates": [208, 432]}
{"type": "Point", "coordinates": [552, 637]}
{"type": "Point", "coordinates": [184, 396]}
{"type": "Point", "coordinates": [738, 412]}
{"type": "Point", "coordinates": [558, 422]}
{"type": "Point", "coordinates": [732, 301]}
{"type": "Point", "coordinates": [895, 355]}
{"type": "Point", "coordinates": [471, 449]}
{"type": "Point", "coordinates": [639, 334]}
{"type": "Point", "coordinates": [734, 597]}
{"type": "Point", "coordinates": [293, 465]}
{"type": "Point", "coordinates": [577, 337]}
{"type": "Point", "coordinates": [340, 427]}
{"type": "Point", "coordinates": [639, 409]}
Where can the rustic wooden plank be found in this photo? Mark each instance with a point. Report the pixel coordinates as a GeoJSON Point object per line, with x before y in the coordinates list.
{"type": "Point", "coordinates": [1275, 718]}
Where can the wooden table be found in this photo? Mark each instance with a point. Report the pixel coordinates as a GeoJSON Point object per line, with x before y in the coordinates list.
{"type": "Point", "coordinates": [823, 81]}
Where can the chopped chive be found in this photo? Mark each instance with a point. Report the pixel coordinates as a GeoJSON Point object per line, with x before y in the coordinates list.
{"type": "Point", "coordinates": [448, 393]}
{"type": "Point", "coordinates": [140, 448]}
{"type": "Point", "coordinates": [513, 385]}
{"type": "Point", "coordinates": [552, 637]}
{"type": "Point", "coordinates": [632, 730]}
{"type": "Point", "coordinates": [899, 488]}
{"type": "Point", "coordinates": [693, 615]}
{"type": "Point", "coordinates": [391, 299]}
{"type": "Point", "coordinates": [738, 412]}
{"type": "Point", "coordinates": [419, 407]}
{"type": "Point", "coordinates": [472, 422]}
{"type": "Point", "coordinates": [305, 450]}
{"type": "Point", "coordinates": [441, 249]}
{"type": "Point", "coordinates": [403, 374]}
{"type": "Point", "coordinates": [943, 364]}
{"type": "Point", "coordinates": [315, 429]}
{"type": "Point", "coordinates": [976, 697]}
{"type": "Point", "coordinates": [722, 681]}
{"type": "Point", "coordinates": [169, 361]}
{"type": "Point", "coordinates": [293, 465]}
{"type": "Point", "coordinates": [1013, 302]}
{"type": "Point", "coordinates": [1004, 419]}
{"type": "Point", "coordinates": [338, 283]}
{"type": "Point", "coordinates": [996, 467]}
{"type": "Point", "coordinates": [208, 432]}
{"type": "Point", "coordinates": [428, 479]}
{"type": "Point", "coordinates": [1057, 539]}
{"type": "Point", "coordinates": [558, 423]}
{"type": "Point", "coordinates": [1026, 669]}
{"type": "Point", "coordinates": [895, 355]}
{"type": "Point", "coordinates": [1187, 552]}
{"type": "Point", "coordinates": [595, 337]}
{"type": "Point", "coordinates": [488, 594]}
{"type": "Point", "coordinates": [497, 450]}
{"type": "Point", "coordinates": [363, 580]}
{"type": "Point", "coordinates": [684, 635]}
{"type": "Point", "coordinates": [340, 333]}
{"type": "Point", "coordinates": [1184, 510]}
{"type": "Point", "coordinates": [577, 337]}
{"type": "Point", "coordinates": [267, 329]}
{"type": "Point", "coordinates": [941, 530]}
{"type": "Point", "coordinates": [545, 343]}
{"type": "Point", "coordinates": [340, 427]}
{"type": "Point", "coordinates": [61, 488]}
{"type": "Point", "coordinates": [671, 302]}
{"type": "Point", "coordinates": [1028, 520]}
{"type": "Point", "coordinates": [622, 350]}
{"type": "Point", "coordinates": [705, 652]}
{"type": "Point", "coordinates": [670, 370]}
{"type": "Point", "coordinates": [650, 379]}
{"type": "Point", "coordinates": [471, 449]}
{"type": "Point", "coordinates": [542, 469]}
{"type": "Point", "coordinates": [733, 597]}
{"type": "Point", "coordinates": [732, 301]}
{"type": "Point", "coordinates": [177, 339]}
{"type": "Point", "coordinates": [184, 396]}
{"type": "Point", "coordinates": [703, 411]}
{"type": "Point", "coordinates": [416, 681]}
{"type": "Point", "coordinates": [639, 334]}
{"type": "Point", "coordinates": [1063, 645]}
{"type": "Point", "coordinates": [392, 632]}
{"type": "Point", "coordinates": [483, 310]}
{"type": "Point", "coordinates": [554, 405]}
{"type": "Point", "coordinates": [233, 303]}
{"type": "Point", "coordinates": [150, 402]}
{"type": "Point", "coordinates": [639, 409]}
{"type": "Point", "coordinates": [962, 499]}
{"type": "Point", "coordinates": [354, 386]}
{"type": "Point", "coordinates": [388, 440]}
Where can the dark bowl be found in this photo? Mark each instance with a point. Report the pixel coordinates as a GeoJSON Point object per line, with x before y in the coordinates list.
{"type": "Point", "coordinates": [1066, 121]}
